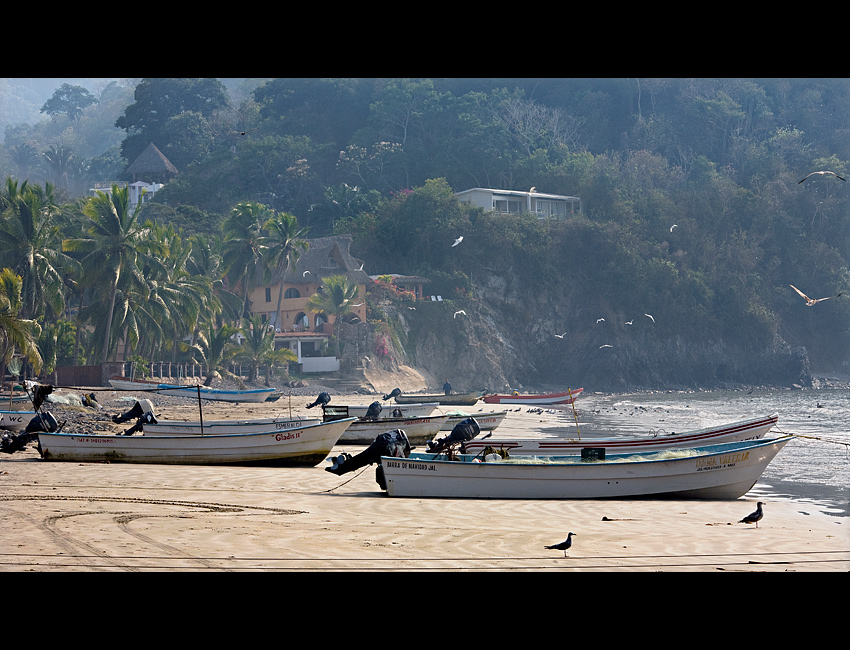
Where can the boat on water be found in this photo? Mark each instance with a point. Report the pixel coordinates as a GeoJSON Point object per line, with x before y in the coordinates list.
{"type": "Point", "coordinates": [723, 471]}
{"type": "Point", "coordinates": [461, 399]}
{"type": "Point", "coordinates": [487, 421]}
{"type": "Point", "coordinates": [752, 429]}
{"type": "Point", "coordinates": [305, 446]}
{"type": "Point", "coordinates": [414, 409]}
{"type": "Point", "coordinates": [15, 420]}
{"type": "Point", "coordinates": [567, 397]}
{"type": "Point", "coordinates": [205, 392]}
{"type": "Point", "coordinates": [364, 430]}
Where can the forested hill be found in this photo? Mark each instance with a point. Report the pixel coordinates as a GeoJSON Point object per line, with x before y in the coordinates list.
{"type": "Point", "coordinates": [693, 209]}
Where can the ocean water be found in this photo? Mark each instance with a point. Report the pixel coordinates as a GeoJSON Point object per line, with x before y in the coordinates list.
{"type": "Point", "coordinates": [814, 468]}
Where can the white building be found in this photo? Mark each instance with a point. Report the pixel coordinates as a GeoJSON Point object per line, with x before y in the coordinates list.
{"type": "Point", "coordinates": [553, 206]}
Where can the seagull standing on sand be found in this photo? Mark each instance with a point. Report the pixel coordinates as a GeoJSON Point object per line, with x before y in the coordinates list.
{"type": "Point", "coordinates": [457, 241]}
{"type": "Point", "coordinates": [824, 173]}
{"type": "Point", "coordinates": [563, 546]}
{"type": "Point", "coordinates": [754, 517]}
{"type": "Point", "coordinates": [811, 302]}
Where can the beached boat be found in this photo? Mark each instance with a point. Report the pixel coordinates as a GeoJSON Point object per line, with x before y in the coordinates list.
{"type": "Point", "coordinates": [365, 430]}
{"type": "Point", "coordinates": [752, 429]}
{"type": "Point", "coordinates": [16, 402]}
{"type": "Point", "coordinates": [307, 445]}
{"type": "Point", "coordinates": [417, 409]}
{"type": "Point", "coordinates": [461, 399]}
{"type": "Point", "coordinates": [225, 427]}
{"type": "Point", "coordinates": [217, 394]}
{"type": "Point", "coordinates": [486, 421]}
{"type": "Point", "coordinates": [567, 397]}
{"type": "Point", "coordinates": [725, 471]}
{"type": "Point", "coordinates": [15, 420]}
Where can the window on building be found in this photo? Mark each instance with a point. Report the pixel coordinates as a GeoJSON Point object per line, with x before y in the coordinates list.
{"type": "Point", "coordinates": [508, 205]}
{"type": "Point", "coordinates": [268, 294]}
{"type": "Point", "coordinates": [292, 293]}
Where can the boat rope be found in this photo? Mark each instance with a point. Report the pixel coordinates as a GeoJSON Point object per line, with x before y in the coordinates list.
{"type": "Point", "coordinates": [336, 487]}
{"type": "Point", "coordinates": [800, 435]}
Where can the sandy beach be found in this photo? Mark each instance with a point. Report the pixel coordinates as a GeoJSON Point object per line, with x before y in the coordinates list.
{"type": "Point", "coordinates": [93, 517]}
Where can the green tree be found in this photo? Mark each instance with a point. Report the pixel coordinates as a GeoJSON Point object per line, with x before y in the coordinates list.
{"type": "Point", "coordinates": [70, 101]}
{"type": "Point", "coordinates": [244, 248]}
{"type": "Point", "coordinates": [16, 333]}
{"type": "Point", "coordinates": [283, 246]}
{"type": "Point", "coordinates": [112, 246]}
{"type": "Point", "coordinates": [335, 300]}
{"type": "Point", "coordinates": [217, 350]}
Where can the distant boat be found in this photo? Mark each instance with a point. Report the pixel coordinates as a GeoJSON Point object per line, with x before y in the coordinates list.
{"type": "Point", "coordinates": [416, 409]}
{"type": "Point", "coordinates": [567, 397]}
{"type": "Point", "coordinates": [307, 445]}
{"type": "Point", "coordinates": [486, 421]}
{"type": "Point", "coordinates": [225, 427]}
{"type": "Point", "coordinates": [16, 402]}
{"type": "Point", "coordinates": [752, 429]}
{"type": "Point", "coordinates": [725, 471]}
{"type": "Point", "coordinates": [218, 394]}
{"type": "Point", "coordinates": [461, 399]}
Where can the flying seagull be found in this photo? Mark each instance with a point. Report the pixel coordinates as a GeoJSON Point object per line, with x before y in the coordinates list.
{"type": "Point", "coordinates": [600, 320]}
{"type": "Point", "coordinates": [824, 173]}
{"type": "Point", "coordinates": [457, 241]}
{"type": "Point", "coordinates": [304, 275]}
{"type": "Point", "coordinates": [459, 311]}
{"type": "Point", "coordinates": [605, 346]}
{"type": "Point", "coordinates": [649, 316]}
{"type": "Point", "coordinates": [755, 517]}
{"type": "Point", "coordinates": [563, 546]}
{"type": "Point", "coordinates": [560, 336]}
{"type": "Point", "coordinates": [675, 225]}
{"type": "Point", "coordinates": [630, 322]}
{"type": "Point", "coordinates": [811, 302]}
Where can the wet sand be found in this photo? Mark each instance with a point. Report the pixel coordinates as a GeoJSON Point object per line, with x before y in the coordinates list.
{"type": "Point", "coordinates": [93, 517]}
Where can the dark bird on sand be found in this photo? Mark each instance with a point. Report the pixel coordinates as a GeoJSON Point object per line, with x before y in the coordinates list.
{"type": "Point", "coordinates": [563, 546]}
{"type": "Point", "coordinates": [754, 517]}
{"type": "Point", "coordinates": [824, 173]}
{"type": "Point", "coordinates": [811, 302]}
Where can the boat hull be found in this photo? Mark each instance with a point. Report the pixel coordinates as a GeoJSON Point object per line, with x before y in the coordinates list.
{"type": "Point", "coordinates": [486, 421]}
{"type": "Point", "coordinates": [305, 446]}
{"type": "Point", "coordinates": [418, 430]}
{"type": "Point", "coordinates": [15, 420]}
{"type": "Point", "coordinates": [225, 427]}
{"type": "Point", "coordinates": [721, 472]}
{"type": "Point", "coordinates": [752, 429]}
{"type": "Point", "coordinates": [217, 394]}
{"type": "Point", "coordinates": [462, 399]}
{"type": "Point", "coordinates": [414, 409]}
{"type": "Point", "coordinates": [534, 400]}
{"type": "Point", "coordinates": [16, 403]}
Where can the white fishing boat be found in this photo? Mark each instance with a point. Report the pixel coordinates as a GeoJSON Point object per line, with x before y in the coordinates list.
{"type": "Point", "coordinates": [486, 421]}
{"type": "Point", "coordinates": [407, 410]}
{"type": "Point", "coordinates": [225, 427]}
{"type": "Point", "coordinates": [725, 471]}
{"type": "Point", "coordinates": [204, 392]}
{"type": "Point", "coordinates": [752, 429]}
{"type": "Point", "coordinates": [307, 445]}
{"type": "Point", "coordinates": [16, 402]}
{"type": "Point", "coordinates": [364, 430]}
{"type": "Point", "coordinates": [15, 420]}
{"type": "Point", "coordinates": [535, 399]}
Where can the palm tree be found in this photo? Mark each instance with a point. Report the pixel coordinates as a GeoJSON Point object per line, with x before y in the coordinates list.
{"type": "Point", "coordinates": [16, 333]}
{"type": "Point", "coordinates": [335, 300]}
{"type": "Point", "coordinates": [258, 343]}
{"type": "Point", "coordinates": [205, 260]}
{"type": "Point", "coordinates": [243, 251]}
{"type": "Point", "coordinates": [215, 348]}
{"type": "Point", "coordinates": [284, 245]}
{"type": "Point", "coordinates": [28, 246]}
{"type": "Point", "coordinates": [112, 247]}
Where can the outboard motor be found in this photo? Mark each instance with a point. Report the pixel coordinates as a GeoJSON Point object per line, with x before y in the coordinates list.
{"type": "Point", "coordinates": [142, 412]}
{"type": "Point", "coordinates": [395, 393]}
{"type": "Point", "coordinates": [322, 399]}
{"type": "Point", "coordinates": [11, 442]}
{"type": "Point", "coordinates": [39, 393]}
{"type": "Point", "coordinates": [464, 430]}
{"type": "Point", "coordinates": [373, 411]}
{"type": "Point", "coordinates": [392, 443]}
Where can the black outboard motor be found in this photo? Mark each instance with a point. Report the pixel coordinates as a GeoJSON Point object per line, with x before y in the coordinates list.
{"type": "Point", "coordinates": [395, 393]}
{"type": "Point", "coordinates": [464, 430]}
{"type": "Point", "coordinates": [322, 399]}
{"type": "Point", "coordinates": [43, 421]}
{"type": "Point", "coordinates": [142, 412]}
{"type": "Point", "coordinates": [373, 411]}
{"type": "Point", "coordinates": [392, 443]}
{"type": "Point", "coordinates": [39, 394]}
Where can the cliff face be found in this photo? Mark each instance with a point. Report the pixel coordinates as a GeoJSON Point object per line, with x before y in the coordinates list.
{"type": "Point", "coordinates": [506, 339]}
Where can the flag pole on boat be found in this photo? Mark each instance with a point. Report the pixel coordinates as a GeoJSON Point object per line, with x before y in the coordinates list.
{"type": "Point", "coordinates": [575, 416]}
{"type": "Point", "coordinates": [200, 408]}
